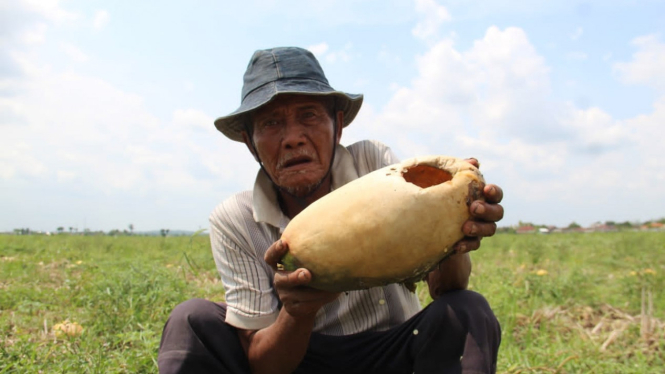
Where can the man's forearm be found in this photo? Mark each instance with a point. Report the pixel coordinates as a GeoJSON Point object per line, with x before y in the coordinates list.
{"type": "Point", "coordinates": [280, 347]}
{"type": "Point", "coordinates": [452, 274]}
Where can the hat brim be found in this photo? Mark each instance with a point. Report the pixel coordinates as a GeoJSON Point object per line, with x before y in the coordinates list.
{"type": "Point", "coordinates": [233, 124]}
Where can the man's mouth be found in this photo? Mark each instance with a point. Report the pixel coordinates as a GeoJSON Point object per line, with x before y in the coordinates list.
{"type": "Point", "coordinates": [296, 161]}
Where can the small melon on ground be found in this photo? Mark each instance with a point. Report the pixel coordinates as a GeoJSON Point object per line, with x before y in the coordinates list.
{"type": "Point", "coordinates": [392, 225]}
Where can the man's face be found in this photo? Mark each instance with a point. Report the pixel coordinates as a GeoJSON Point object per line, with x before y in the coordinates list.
{"type": "Point", "coordinates": [294, 139]}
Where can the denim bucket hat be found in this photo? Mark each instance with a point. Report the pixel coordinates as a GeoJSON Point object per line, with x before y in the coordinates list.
{"type": "Point", "coordinates": [284, 70]}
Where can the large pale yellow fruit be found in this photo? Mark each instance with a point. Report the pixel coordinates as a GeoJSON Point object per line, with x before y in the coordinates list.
{"type": "Point", "coordinates": [392, 225]}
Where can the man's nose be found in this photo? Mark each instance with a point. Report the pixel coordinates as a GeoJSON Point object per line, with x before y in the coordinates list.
{"type": "Point", "coordinates": [293, 134]}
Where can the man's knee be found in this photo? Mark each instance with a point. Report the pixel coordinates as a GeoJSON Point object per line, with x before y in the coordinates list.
{"type": "Point", "coordinates": [468, 307]}
{"type": "Point", "coordinates": [464, 299]}
{"type": "Point", "coordinates": [189, 320]}
{"type": "Point", "coordinates": [466, 317]}
{"type": "Point", "coordinates": [197, 312]}
{"type": "Point", "coordinates": [196, 339]}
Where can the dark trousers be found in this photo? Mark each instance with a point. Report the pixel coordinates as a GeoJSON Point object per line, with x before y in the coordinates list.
{"type": "Point", "coordinates": [457, 333]}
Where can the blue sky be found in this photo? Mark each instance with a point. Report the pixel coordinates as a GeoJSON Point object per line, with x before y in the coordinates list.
{"type": "Point", "coordinates": [107, 108]}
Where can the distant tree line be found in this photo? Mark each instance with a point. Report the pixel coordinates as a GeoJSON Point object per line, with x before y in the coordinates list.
{"type": "Point", "coordinates": [60, 230]}
{"type": "Point", "coordinates": [626, 225]}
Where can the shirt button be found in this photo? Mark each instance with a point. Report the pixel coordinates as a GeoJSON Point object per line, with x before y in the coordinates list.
{"type": "Point", "coordinates": [382, 301]}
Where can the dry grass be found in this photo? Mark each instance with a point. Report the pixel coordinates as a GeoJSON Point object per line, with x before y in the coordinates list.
{"type": "Point", "coordinates": [602, 326]}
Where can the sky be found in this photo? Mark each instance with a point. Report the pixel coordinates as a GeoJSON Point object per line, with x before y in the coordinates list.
{"type": "Point", "coordinates": [107, 108]}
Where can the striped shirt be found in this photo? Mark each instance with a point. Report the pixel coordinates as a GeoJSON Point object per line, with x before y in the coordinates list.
{"type": "Point", "coordinates": [246, 224]}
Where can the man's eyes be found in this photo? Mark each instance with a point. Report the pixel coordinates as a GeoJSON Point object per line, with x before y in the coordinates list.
{"type": "Point", "coordinates": [313, 114]}
{"type": "Point", "coordinates": [308, 116]}
{"type": "Point", "coordinates": [268, 123]}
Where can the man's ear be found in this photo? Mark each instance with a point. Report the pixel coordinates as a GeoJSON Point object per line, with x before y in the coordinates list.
{"type": "Point", "coordinates": [340, 125]}
{"type": "Point", "coordinates": [250, 146]}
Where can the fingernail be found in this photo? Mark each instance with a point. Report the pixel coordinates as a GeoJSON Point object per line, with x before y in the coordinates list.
{"type": "Point", "coordinates": [479, 209]}
{"type": "Point", "coordinates": [474, 230]}
{"type": "Point", "coordinates": [492, 191]}
{"type": "Point", "coordinates": [301, 275]}
{"type": "Point", "coordinates": [462, 248]}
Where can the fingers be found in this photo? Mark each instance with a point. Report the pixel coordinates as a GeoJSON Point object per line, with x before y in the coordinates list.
{"type": "Point", "coordinates": [493, 193]}
{"type": "Point", "coordinates": [296, 297]}
{"type": "Point", "coordinates": [487, 212]}
{"type": "Point", "coordinates": [275, 253]}
{"type": "Point", "coordinates": [291, 279]}
{"type": "Point", "coordinates": [473, 161]}
{"type": "Point", "coordinates": [478, 229]}
{"type": "Point", "coordinates": [481, 224]}
{"type": "Point", "coordinates": [467, 244]}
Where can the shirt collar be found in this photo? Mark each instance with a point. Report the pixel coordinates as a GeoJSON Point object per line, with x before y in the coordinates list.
{"type": "Point", "coordinates": [265, 204]}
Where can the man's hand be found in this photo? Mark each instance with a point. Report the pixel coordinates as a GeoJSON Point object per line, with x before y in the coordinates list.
{"type": "Point", "coordinates": [297, 299]}
{"type": "Point", "coordinates": [484, 215]}
{"type": "Point", "coordinates": [454, 271]}
{"type": "Point", "coordinates": [280, 347]}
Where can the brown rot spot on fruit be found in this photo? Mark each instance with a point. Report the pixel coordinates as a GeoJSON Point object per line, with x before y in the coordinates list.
{"type": "Point", "coordinates": [425, 176]}
{"type": "Point", "coordinates": [475, 192]}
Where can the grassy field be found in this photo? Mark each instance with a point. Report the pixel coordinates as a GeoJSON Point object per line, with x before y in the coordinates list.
{"type": "Point", "coordinates": [568, 303]}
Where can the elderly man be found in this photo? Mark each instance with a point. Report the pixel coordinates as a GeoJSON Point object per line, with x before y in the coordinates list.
{"type": "Point", "coordinates": [291, 120]}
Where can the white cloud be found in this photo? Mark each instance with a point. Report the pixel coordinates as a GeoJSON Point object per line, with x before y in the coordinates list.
{"type": "Point", "coordinates": [99, 133]}
{"type": "Point", "coordinates": [318, 49]}
{"type": "Point", "coordinates": [27, 21]}
{"type": "Point", "coordinates": [499, 85]}
{"type": "Point", "coordinates": [18, 158]}
{"type": "Point", "coordinates": [25, 64]}
{"type": "Point", "coordinates": [595, 130]}
{"type": "Point", "coordinates": [101, 19]}
{"type": "Point", "coordinates": [341, 55]}
{"type": "Point", "coordinates": [35, 34]}
{"type": "Point", "coordinates": [434, 15]}
{"type": "Point", "coordinates": [81, 134]}
{"type": "Point", "coordinates": [49, 9]}
{"type": "Point", "coordinates": [194, 119]}
{"type": "Point", "coordinates": [65, 175]}
{"type": "Point", "coordinates": [323, 52]}
{"type": "Point", "coordinates": [492, 101]}
{"type": "Point", "coordinates": [649, 134]}
{"type": "Point", "coordinates": [26, 25]}
{"type": "Point", "coordinates": [77, 145]}
{"type": "Point", "coordinates": [74, 52]}
{"type": "Point", "coordinates": [647, 64]}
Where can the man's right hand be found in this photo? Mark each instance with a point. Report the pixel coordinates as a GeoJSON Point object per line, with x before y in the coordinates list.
{"type": "Point", "coordinates": [297, 298]}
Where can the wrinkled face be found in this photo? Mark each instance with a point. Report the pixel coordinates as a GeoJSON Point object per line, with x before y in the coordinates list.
{"type": "Point", "coordinates": [294, 139]}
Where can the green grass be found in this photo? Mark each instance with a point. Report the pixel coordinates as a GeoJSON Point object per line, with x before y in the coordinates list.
{"type": "Point", "coordinates": [581, 314]}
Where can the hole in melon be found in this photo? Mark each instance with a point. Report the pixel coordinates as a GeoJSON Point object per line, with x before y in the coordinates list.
{"type": "Point", "coordinates": [425, 176]}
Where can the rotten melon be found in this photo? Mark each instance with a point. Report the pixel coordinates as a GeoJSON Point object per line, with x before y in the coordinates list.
{"type": "Point", "coordinates": [392, 225]}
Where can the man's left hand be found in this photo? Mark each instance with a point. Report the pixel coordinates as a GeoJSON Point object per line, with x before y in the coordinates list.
{"type": "Point", "coordinates": [483, 217]}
